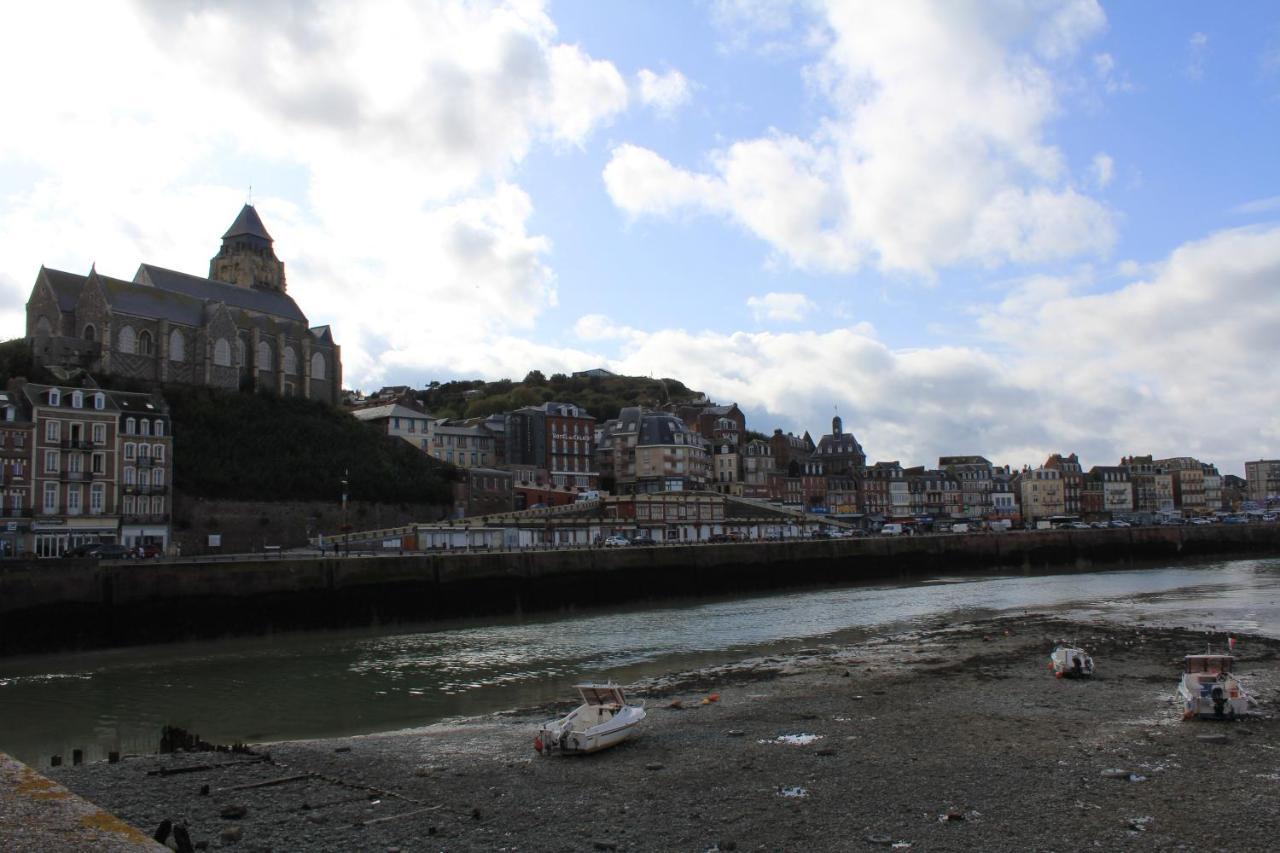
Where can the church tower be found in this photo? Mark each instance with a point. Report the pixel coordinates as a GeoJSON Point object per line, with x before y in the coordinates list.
{"type": "Point", "coordinates": [246, 258]}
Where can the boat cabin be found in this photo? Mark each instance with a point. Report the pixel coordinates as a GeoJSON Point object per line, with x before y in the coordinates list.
{"type": "Point", "coordinates": [1207, 664]}
{"type": "Point", "coordinates": [607, 696]}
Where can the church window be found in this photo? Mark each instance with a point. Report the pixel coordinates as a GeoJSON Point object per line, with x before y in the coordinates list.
{"type": "Point", "coordinates": [290, 361]}
{"type": "Point", "coordinates": [43, 326]}
{"type": "Point", "coordinates": [127, 340]}
{"type": "Point", "coordinates": [264, 356]}
{"type": "Point", "coordinates": [221, 353]}
{"type": "Point", "coordinates": [177, 346]}
{"type": "Point", "coordinates": [317, 366]}
{"type": "Point", "coordinates": [90, 333]}
{"type": "Point", "coordinates": [144, 343]}
{"type": "Point", "coordinates": [240, 357]}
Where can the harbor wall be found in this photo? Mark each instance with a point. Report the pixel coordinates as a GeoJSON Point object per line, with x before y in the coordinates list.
{"type": "Point", "coordinates": [49, 606]}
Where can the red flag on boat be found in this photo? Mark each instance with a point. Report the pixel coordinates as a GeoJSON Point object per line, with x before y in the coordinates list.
{"type": "Point", "coordinates": [1231, 643]}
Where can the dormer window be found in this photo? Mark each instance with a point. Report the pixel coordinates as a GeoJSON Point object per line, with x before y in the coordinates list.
{"type": "Point", "coordinates": [99, 402]}
{"type": "Point", "coordinates": [77, 400]}
{"type": "Point", "coordinates": [55, 399]}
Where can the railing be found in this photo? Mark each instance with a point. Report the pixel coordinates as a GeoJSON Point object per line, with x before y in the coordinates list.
{"type": "Point", "coordinates": [76, 444]}
{"type": "Point", "coordinates": [144, 462]}
{"type": "Point", "coordinates": [149, 518]}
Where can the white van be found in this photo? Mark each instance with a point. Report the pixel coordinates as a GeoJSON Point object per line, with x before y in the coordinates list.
{"type": "Point", "coordinates": [588, 496]}
{"type": "Point", "coordinates": [960, 528]}
{"type": "Point", "coordinates": [891, 530]}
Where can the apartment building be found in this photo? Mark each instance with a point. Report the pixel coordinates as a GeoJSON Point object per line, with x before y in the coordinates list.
{"type": "Point", "coordinates": [1041, 493]}
{"type": "Point", "coordinates": [145, 475]}
{"type": "Point", "coordinates": [1107, 490]}
{"type": "Point", "coordinates": [1072, 476]}
{"type": "Point", "coordinates": [1263, 480]}
{"type": "Point", "coordinates": [975, 474]}
{"type": "Point", "coordinates": [399, 421]}
{"type": "Point", "coordinates": [1152, 485]}
{"type": "Point", "coordinates": [467, 446]}
{"type": "Point", "coordinates": [15, 471]}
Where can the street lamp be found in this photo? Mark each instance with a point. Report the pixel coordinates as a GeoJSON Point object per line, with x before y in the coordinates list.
{"type": "Point", "coordinates": [346, 528]}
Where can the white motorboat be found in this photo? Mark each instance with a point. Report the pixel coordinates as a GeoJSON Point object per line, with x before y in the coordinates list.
{"type": "Point", "coordinates": [1209, 689]}
{"type": "Point", "coordinates": [604, 719]}
{"type": "Point", "coordinates": [1070, 662]}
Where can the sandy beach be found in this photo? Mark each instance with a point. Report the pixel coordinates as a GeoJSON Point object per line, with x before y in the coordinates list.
{"type": "Point", "coordinates": [953, 738]}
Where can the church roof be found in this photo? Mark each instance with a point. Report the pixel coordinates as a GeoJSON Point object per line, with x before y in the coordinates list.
{"type": "Point", "coordinates": [66, 287]}
{"type": "Point", "coordinates": [248, 223]}
{"type": "Point", "coordinates": [268, 302]}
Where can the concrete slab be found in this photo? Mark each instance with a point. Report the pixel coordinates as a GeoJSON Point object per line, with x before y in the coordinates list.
{"type": "Point", "coordinates": [38, 814]}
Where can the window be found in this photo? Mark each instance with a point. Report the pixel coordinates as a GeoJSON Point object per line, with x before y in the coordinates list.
{"type": "Point", "coordinates": [290, 361]}
{"type": "Point", "coordinates": [128, 504]}
{"type": "Point", "coordinates": [77, 400]}
{"type": "Point", "coordinates": [159, 428]}
{"type": "Point", "coordinates": [130, 426]}
{"type": "Point", "coordinates": [96, 498]}
{"type": "Point", "coordinates": [317, 366]}
{"type": "Point", "coordinates": [99, 402]}
{"type": "Point", "coordinates": [98, 463]}
{"type": "Point", "coordinates": [144, 427]}
{"type": "Point", "coordinates": [264, 356]}
{"type": "Point", "coordinates": [51, 461]}
{"type": "Point", "coordinates": [157, 506]}
{"type": "Point", "coordinates": [90, 333]}
{"type": "Point", "coordinates": [177, 346]}
{"type": "Point", "coordinates": [240, 358]}
{"type": "Point", "coordinates": [157, 453]}
{"type": "Point", "coordinates": [157, 477]}
{"type": "Point", "coordinates": [73, 500]}
{"type": "Point", "coordinates": [144, 343]}
{"type": "Point", "coordinates": [144, 452]}
{"type": "Point", "coordinates": [53, 431]}
{"type": "Point", "coordinates": [99, 433]}
{"type": "Point", "coordinates": [50, 497]}
{"type": "Point", "coordinates": [221, 353]}
{"type": "Point", "coordinates": [127, 340]}
{"type": "Point", "coordinates": [130, 476]}
{"type": "Point", "coordinates": [55, 398]}
{"type": "Point", "coordinates": [130, 451]}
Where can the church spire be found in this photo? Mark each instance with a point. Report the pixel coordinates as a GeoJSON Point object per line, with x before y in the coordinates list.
{"type": "Point", "coordinates": [247, 258]}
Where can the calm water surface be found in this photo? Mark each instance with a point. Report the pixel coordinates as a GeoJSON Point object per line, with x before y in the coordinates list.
{"type": "Point", "coordinates": [325, 684]}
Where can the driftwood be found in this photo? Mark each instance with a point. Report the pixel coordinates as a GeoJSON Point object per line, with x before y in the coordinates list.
{"type": "Point", "coordinates": [270, 782]}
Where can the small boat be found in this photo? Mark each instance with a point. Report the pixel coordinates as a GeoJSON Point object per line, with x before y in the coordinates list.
{"type": "Point", "coordinates": [1209, 690]}
{"type": "Point", "coordinates": [603, 719]}
{"type": "Point", "coordinates": [1070, 662]}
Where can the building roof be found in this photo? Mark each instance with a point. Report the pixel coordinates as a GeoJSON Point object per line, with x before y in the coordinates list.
{"type": "Point", "coordinates": [391, 410]}
{"type": "Point", "coordinates": [143, 404]}
{"type": "Point", "coordinates": [269, 302]}
{"type": "Point", "coordinates": [66, 287]}
{"type": "Point", "coordinates": [249, 224]}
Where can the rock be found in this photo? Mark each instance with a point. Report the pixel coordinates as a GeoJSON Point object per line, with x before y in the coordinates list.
{"type": "Point", "coordinates": [475, 814]}
{"type": "Point", "coordinates": [317, 818]}
{"type": "Point", "coordinates": [342, 749]}
{"type": "Point", "coordinates": [234, 811]}
{"type": "Point", "coordinates": [1213, 738]}
{"type": "Point", "coordinates": [204, 790]}
{"type": "Point", "coordinates": [879, 840]}
{"type": "Point", "coordinates": [1115, 773]}
{"type": "Point", "coordinates": [604, 845]}
{"type": "Point", "coordinates": [735, 733]}
{"type": "Point", "coordinates": [676, 705]}
{"type": "Point", "coordinates": [231, 835]}
{"type": "Point", "coordinates": [847, 674]}
{"type": "Point", "coordinates": [826, 750]}
{"type": "Point", "coordinates": [954, 815]}
{"type": "Point", "coordinates": [653, 766]}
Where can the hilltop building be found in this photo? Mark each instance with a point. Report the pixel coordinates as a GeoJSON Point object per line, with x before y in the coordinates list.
{"type": "Point", "coordinates": [238, 328]}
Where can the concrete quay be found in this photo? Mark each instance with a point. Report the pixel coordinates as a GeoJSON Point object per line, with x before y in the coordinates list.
{"type": "Point", "coordinates": [38, 815]}
{"type": "Point", "coordinates": [57, 605]}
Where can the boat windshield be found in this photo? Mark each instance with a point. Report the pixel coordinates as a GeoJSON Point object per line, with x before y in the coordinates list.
{"type": "Point", "coordinates": [600, 694]}
{"type": "Point", "coordinates": [1208, 663]}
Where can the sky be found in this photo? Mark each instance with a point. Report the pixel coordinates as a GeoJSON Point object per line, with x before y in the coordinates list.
{"type": "Point", "coordinates": [1001, 227]}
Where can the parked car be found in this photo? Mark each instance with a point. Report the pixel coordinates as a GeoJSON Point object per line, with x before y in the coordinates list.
{"type": "Point", "coordinates": [643, 540]}
{"type": "Point", "coordinates": [149, 551]}
{"type": "Point", "coordinates": [1118, 523]}
{"type": "Point", "coordinates": [719, 538]}
{"type": "Point", "coordinates": [1271, 516]}
{"type": "Point", "coordinates": [1079, 525]}
{"type": "Point", "coordinates": [819, 534]}
{"type": "Point", "coordinates": [891, 530]}
{"type": "Point", "coordinates": [109, 551]}
{"type": "Point", "coordinates": [616, 542]}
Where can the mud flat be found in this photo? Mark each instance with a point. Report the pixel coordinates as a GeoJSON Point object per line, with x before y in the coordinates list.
{"type": "Point", "coordinates": [955, 738]}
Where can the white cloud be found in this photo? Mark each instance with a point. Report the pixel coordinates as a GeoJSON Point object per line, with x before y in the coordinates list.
{"type": "Point", "coordinates": [783, 307]}
{"type": "Point", "coordinates": [394, 128]}
{"type": "Point", "coordinates": [1258, 205]}
{"type": "Point", "coordinates": [1102, 170]}
{"type": "Point", "coordinates": [1104, 69]}
{"type": "Point", "coordinates": [1198, 50]}
{"type": "Point", "coordinates": [933, 154]}
{"type": "Point", "coordinates": [666, 93]}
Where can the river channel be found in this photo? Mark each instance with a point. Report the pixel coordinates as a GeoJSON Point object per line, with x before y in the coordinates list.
{"type": "Point", "coordinates": [340, 683]}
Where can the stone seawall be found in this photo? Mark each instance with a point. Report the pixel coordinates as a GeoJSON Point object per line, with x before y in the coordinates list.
{"type": "Point", "coordinates": [57, 605]}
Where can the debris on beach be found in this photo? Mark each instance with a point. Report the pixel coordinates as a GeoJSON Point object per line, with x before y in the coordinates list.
{"type": "Point", "coordinates": [794, 791]}
{"type": "Point", "coordinates": [793, 740]}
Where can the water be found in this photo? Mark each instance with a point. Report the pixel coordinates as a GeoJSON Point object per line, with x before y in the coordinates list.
{"type": "Point", "coordinates": [327, 684]}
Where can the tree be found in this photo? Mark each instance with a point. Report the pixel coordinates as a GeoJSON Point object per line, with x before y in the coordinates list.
{"type": "Point", "coordinates": [535, 377]}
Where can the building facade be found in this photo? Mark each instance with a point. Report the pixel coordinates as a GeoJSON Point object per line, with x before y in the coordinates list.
{"type": "Point", "coordinates": [1263, 481]}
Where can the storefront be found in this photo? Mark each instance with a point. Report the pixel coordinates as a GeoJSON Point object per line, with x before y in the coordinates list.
{"type": "Point", "coordinates": [135, 535]}
{"type": "Point", "coordinates": [54, 537]}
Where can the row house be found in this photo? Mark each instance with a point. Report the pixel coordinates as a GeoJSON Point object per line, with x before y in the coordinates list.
{"type": "Point", "coordinates": [1004, 498]}
{"type": "Point", "coordinates": [886, 492]}
{"type": "Point", "coordinates": [1262, 479]}
{"type": "Point", "coordinates": [15, 483]}
{"type": "Point", "coordinates": [840, 452]}
{"type": "Point", "coordinates": [726, 467]}
{"type": "Point", "coordinates": [464, 445]}
{"type": "Point", "coordinates": [757, 466]}
{"type": "Point", "coordinates": [647, 451]}
{"type": "Point", "coordinates": [397, 420]}
{"type": "Point", "coordinates": [1235, 491]}
{"type": "Point", "coordinates": [558, 438]}
{"type": "Point", "coordinates": [99, 469]}
{"type": "Point", "coordinates": [934, 493]}
{"type": "Point", "coordinates": [1107, 491]}
{"type": "Point", "coordinates": [976, 476]}
{"type": "Point", "coordinates": [1152, 485]}
{"type": "Point", "coordinates": [716, 424]}
{"type": "Point", "coordinates": [1197, 486]}
{"type": "Point", "coordinates": [1040, 493]}
{"type": "Point", "coordinates": [1072, 476]}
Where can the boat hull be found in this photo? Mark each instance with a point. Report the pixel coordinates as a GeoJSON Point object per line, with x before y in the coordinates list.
{"type": "Point", "coordinates": [563, 737]}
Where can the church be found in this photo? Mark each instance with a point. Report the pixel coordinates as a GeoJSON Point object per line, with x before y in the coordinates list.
{"type": "Point", "coordinates": [238, 328]}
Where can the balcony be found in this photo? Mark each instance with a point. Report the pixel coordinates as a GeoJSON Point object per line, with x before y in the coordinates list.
{"type": "Point", "coordinates": [76, 444]}
{"type": "Point", "coordinates": [144, 462]}
{"type": "Point", "coordinates": [15, 512]}
{"type": "Point", "coordinates": [149, 518]}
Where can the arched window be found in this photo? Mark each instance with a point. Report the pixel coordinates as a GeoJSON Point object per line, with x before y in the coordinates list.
{"type": "Point", "coordinates": [90, 333]}
{"type": "Point", "coordinates": [177, 346]}
{"type": "Point", "coordinates": [290, 361]}
{"type": "Point", "coordinates": [127, 340]}
{"type": "Point", "coordinates": [240, 360]}
{"type": "Point", "coordinates": [160, 431]}
{"type": "Point", "coordinates": [264, 356]}
{"type": "Point", "coordinates": [221, 353]}
{"type": "Point", "coordinates": [144, 427]}
{"type": "Point", "coordinates": [43, 326]}
{"type": "Point", "coordinates": [144, 343]}
{"type": "Point", "coordinates": [317, 366]}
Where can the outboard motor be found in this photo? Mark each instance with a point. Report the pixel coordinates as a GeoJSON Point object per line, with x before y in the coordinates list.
{"type": "Point", "coordinates": [1077, 665]}
{"type": "Point", "coordinates": [1219, 701]}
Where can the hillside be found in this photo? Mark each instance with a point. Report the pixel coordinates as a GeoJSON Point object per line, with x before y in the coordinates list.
{"type": "Point", "coordinates": [258, 447]}
{"type": "Point", "coordinates": [603, 397]}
